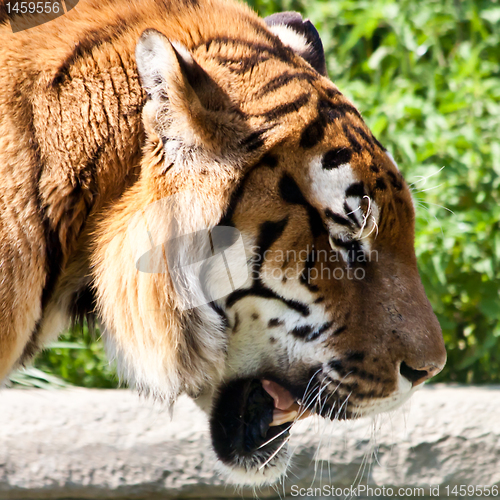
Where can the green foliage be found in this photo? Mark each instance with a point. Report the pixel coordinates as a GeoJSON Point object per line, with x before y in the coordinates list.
{"type": "Point", "coordinates": [33, 377]}
{"type": "Point", "coordinates": [78, 359]}
{"type": "Point", "coordinates": [426, 76]}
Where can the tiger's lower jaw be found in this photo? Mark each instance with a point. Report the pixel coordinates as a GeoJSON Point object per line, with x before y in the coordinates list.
{"type": "Point", "coordinates": [250, 431]}
{"type": "Point", "coordinates": [250, 426]}
{"type": "Point", "coordinates": [250, 446]}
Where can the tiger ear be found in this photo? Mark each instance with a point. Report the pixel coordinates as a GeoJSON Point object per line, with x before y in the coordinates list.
{"type": "Point", "coordinates": [301, 36]}
{"type": "Point", "coordinates": [183, 101]}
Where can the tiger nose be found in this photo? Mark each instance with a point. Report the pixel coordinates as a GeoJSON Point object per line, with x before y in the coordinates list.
{"type": "Point", "coordinates": [417, 377]}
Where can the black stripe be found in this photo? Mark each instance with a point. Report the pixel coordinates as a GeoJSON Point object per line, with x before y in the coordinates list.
{"type": "Point", "coordinates": [31, 347]}
{"type": "Point", "coordinates": [394, 180]}
{"type": "Point", "coordinates": [380, 184]}
{"type": "Point", "coordinates": [86, 44]}
{"type": "Point", "coordinates": [53, 260]}
{"type": "Point", "coordinates": [285, 109]}
{"type": "Point", "coordinates": [274, 322]}
{"type": "Point", "coordinates": [336, 157]}
{"type": "Point", "coordinates": [291, 193]}
{"type": "Point", "coordinates": [356, 189]}
{"type": "Point", "coordinates": [284, 79]}
{"type": "Point", "coordinates": [254, 141]}
{"type": "Point", "coordinates": [336, 365]}
{"type": "Point", "coordinates": [237, 194]}
{"type": "Point", "coordinates": [327, 113]}
{"type": "Point", "coordinates": [354, 356]}
{"type": "Point", "coordinates": [346, 108]}
{"type": "Point", "coordinates": [333, 111]}
{"type": "Point", "coordinates": [374, 168]}
{"type": "Point", "coordinates": [313, 133]}
{"type": "Point", "coordinates": [269, 160]}
{"type": "Point", "coordinates": [266, 293]}
{"type": "Point", "coordinates": [82, 307]}
{"type": "Point", "coordinates": [314, 335]}
{"type": "Point", "coordinates": [220, 312]}
{"type": "Point", "coordinates": [302, 332]}
{"type": "Point", "coordinates": [331, 92]}
{"type": "Point", "coordinates": [340, 330]}
{"type": "Point", "coordinates": [269, 232]}
{"type": "Point", "coordinates": [378, 143]}
{"type": "Point", "coordinates": [350, 213]}
{"type": "Point", "coordinates": [355, 254]}
{"type": "Point", "coordinates": [305, 275]}
{"type": "Point", "coordinates": [259, 52]}
{"type": "Point", "coordinates": [338, 219]}
{"type": "Point", "coordinates": [367, 138]}
{"type": "Point", "coordinates": [53, 248]}
{"type": "Point", "coordinates": [236, 322]}
{"type": "Point", "coordinates": [355, 145]}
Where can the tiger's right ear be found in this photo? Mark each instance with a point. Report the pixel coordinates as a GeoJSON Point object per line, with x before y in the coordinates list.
{"type": "Point", "coordinates": [301, 36]}
{"type": "Point", "coordinates": [183, 101]}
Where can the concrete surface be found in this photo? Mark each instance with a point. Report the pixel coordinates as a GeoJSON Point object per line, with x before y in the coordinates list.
{"type": "Point", "coordinates": [98, 444]}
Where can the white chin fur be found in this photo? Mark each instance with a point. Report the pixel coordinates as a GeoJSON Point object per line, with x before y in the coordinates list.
{"type": "Point", "coordinates": [254, 476]}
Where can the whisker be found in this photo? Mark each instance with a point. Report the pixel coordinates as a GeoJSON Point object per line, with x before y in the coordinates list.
{"type": "Point", "coordinates": [420, 205]}
{"type": "Point", "coordinates": [375, 226]}
{"type": "Point", "coordinates": [316, 454]}
{"type": "Point", "coordinates": [424, 178]}
{"type": "Point", "coordinates": [275, 453]}
{"type": "Point", "coordinates": [322, 434]}
{"type": "Point", "coordinates": [435, 204]}
{"type": "Point", "coordinates": [350, 213]}
{"type": "Point", "coordinates": [416, 191]}
{"type": "Point", "coordinates": [275, 437]}
{"type": "Point", "coordinates": [310, 380]}
{"type": "Point", "coordinates": [365, 216]}
{"type": "Point", "coordinates": [289, 427]}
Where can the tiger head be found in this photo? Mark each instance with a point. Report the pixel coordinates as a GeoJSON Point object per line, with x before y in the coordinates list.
{"type": "Point", "coordinates": [312, 302]}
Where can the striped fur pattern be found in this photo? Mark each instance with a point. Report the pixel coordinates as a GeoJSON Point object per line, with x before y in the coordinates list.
{"type": "Point", "coordinates": [116, 106]}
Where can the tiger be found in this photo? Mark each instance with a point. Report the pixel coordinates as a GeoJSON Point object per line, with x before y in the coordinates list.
{"type": "Point", "coordinates": [184, 173]}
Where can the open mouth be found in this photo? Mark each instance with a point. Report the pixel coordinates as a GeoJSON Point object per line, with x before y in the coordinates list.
{"type": "Point", "coordinates": [251, 421]}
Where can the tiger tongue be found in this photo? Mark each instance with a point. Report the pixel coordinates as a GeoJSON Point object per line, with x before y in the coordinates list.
{"type": "Point", "coordinates": [283, 400]}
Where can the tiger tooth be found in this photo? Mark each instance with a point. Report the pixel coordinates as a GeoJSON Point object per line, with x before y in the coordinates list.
{"type": "Point", "coordinates": [280, 417]}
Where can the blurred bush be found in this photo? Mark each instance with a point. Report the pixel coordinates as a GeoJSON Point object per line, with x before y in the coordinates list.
{"type": "Point", "coordinates": [76, 358]}
{"type": "Point", "coordinates": [426, 76]}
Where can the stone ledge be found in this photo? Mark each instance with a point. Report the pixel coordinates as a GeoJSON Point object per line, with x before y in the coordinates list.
{"type": "Point", "coordinates": [94, 444]}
